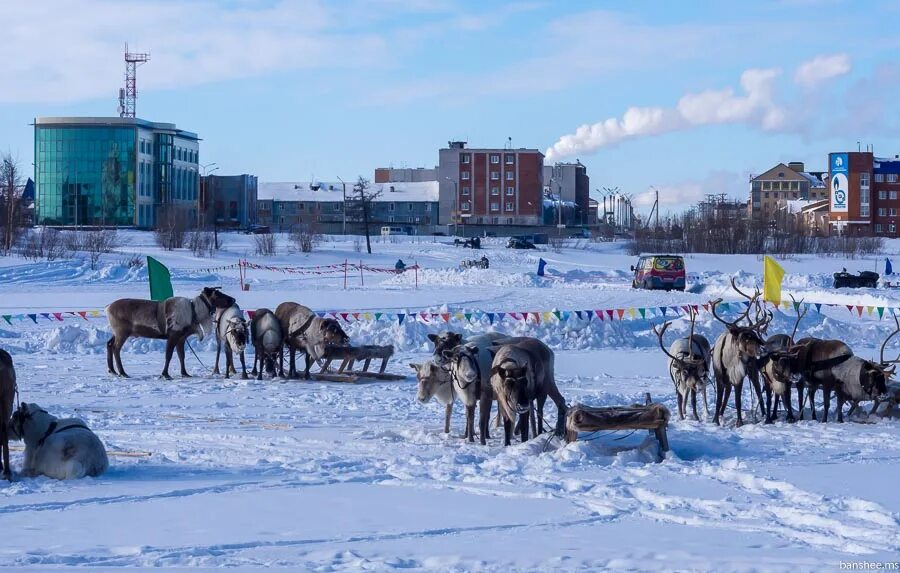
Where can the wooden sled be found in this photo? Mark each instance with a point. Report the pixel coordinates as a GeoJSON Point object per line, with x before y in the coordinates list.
{"type": "Point", "coordinates": [354, 377]}
{"type": "Point", "coordinates": [650, 416]}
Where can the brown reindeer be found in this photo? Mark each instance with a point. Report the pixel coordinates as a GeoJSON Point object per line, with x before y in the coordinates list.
{"type": "Point", "coordinates": [780, 389]}
{"type": "Point", "coordinates": [7, 398]}
{"type": "Point", "coordinates": [735, 356]}
{"type": "Point", "coordinates": [292, 316]}
{"type": "Point", "coordinates": [172, 320]}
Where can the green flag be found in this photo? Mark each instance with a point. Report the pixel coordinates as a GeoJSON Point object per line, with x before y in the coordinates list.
{"type": "Point", "coordinates": [160, 281]}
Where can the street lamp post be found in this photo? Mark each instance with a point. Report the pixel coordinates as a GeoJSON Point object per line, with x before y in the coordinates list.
{"type": "Point", "coordinates": [344, 206]}
{"type": "Point", "coordinates": [203, 188]}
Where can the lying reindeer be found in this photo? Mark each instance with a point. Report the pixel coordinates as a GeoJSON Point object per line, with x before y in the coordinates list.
{"type": "Point", "coordinates": [689, 363]}
{"type": "Point", "coordinates": [57, 448]}
{"type": "Point", "coordinates": [314, 336]}
{"type": "Point", "coordinates": [434, 382]}
{"type": "Point", "coordinates": [231, 332]}
{"type": "Point", "coordinates": [520, 373]}
{"type": "Point", "coordinates": [7, 398]}
{"type": "Point", "coordinates": [292, 316]}
{"type": "Point", "coordinates": [350, 354]}
{"type": "Point", "coordinates": [268, 341]}
{"type": "Point", "coordinates": [734, 358]}
{"type": "Point", "coordinates": [173, 320]}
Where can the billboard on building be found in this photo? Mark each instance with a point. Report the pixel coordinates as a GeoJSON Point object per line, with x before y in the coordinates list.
{"type": "Point", "coordinates": [840, 182]}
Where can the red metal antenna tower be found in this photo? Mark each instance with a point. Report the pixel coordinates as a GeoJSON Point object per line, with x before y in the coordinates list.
{"type": "Point", "coordinates": [128, 95]}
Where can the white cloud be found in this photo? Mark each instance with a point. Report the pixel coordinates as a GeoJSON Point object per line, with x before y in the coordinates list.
{"type": "Point", "coordinates": [684, 194]}
{"type": "Point", "coordinates": [755, 106]}
{"type": "Point", "coordinates": [821, 69]}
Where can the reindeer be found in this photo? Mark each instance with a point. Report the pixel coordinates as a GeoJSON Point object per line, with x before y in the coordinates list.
{"type": "Point", "coordinates": [314, 336]}
{"type": "Point", "coordinates": [231, 331]}
{"type": "Point", "coordinates": [772, 384]}
{"type": "Point", "coordinates": [434, 382]}
{"type": "Point", "coordinates": [445, 341]}
{"type": "Point", "coordinates": [735, 356]}
{"type": "Point", "coordinates": [7, 397]}
{"type": "Point", "coordinates": [268, 342]}
{"type": "Point", "coordinates": [812, 363]}
{"type": "Point", "coordinates": [864, 380]}
{"type": "Point", "coordinates": [521, 372]}
{"type": "Point", "coordinates": [173, 320]}
{"type": "Point", "coordinates": [689, 362]}
{"type": "Point", "coordinates": [292, 316]}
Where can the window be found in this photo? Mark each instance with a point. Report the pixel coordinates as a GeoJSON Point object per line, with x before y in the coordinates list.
{"type": "Point", "coordinates": [510, 175]}
{"type": "Point", "coordinates": [766, 195]}
{"type": "Point", "coordinates": [495, 206]}
{"type": "Point", "coordinates": [892, 212]}
{"type": "Point", "coordinates": [509, 220]}
{"type": "Point", "coordinates": [767, 185]}
{"type": "Point", "coordinates": [864, 210]}
{"type": "Point", "coordinates": [756, 186]}
{"type": "Point", "coordinates": [879, 178]}
{"type": "Point", "coordinates": [892, 178]}
{"type": "Point", "coordinates": [781, 173]}
{"type": "Point", "coordinates": [510, 206]}
{"type": "Point", "coordinates": [391, 206]}
{"type": "Point", "coordinates": [495, 175]}
{"type": "Point", "coordinates": [863, 179]}
{"type": "Point", "coordinates": [337, 206]}
{"type": "Point", "coordinates": [465, 175]}
{"type": "Point", "coordinates": [495, 159]}
{"type": "Point", "coordinates": [510, 159]}
{"type": "Point", "coordinates": [893, 195]}
{"type": "Point", "coordinates": [510, 190]}
{"type": "Point", "coordinates": [496, 220]}
{"type": "Point", "coordinates": [465, 206]}
{"type": "Point", "coordinates": [882, 195]}
{"type": "Point", "coordinates": [495, 190]}
{"type": "Point", "coordinates": [467, 190]}
{"type": "Point", "coordinates": [882, 212]}
{"type": "Point", "coordinates": [795, 185]}
{"type": "Point", "coordinates": [465, 158]}
{"type": "Point", "coordinates": [892, 228]}
{"type": "Point", "coordinates": [410, 206]}
{"type": "Point", "coordinates": [878, 228]}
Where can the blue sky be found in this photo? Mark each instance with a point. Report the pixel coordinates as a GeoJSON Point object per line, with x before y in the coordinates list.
{"type": "Point", "coordinates": [689, 97]}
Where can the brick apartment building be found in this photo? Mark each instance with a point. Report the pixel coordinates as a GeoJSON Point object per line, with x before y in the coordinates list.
{"type": "Point", "coordinates": [490, 186]}
{"type": "Point", "coordinates": [770, 190]}
{"type": "Point", "coordinates": [864, 194]}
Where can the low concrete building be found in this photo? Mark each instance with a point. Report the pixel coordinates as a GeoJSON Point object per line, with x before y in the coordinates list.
{"type": "Point", "coordinates": [285, 206]}
{"type": "Point", "coordinates": [230, 199]}
{"type": "Point", "coordinates": [405, 175]}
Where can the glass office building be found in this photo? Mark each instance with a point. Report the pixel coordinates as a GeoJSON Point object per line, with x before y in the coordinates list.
{"type": "Point", "coordinates": [112, 171]}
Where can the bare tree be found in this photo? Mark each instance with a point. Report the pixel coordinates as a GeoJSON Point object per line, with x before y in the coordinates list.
{"type": "Point", "coordinates": [171, 228]}
{"type": "Point", "coordinates": [359, 206]}
{"type": "Point", "coordinates": [10, 201]}
{"type": "Point", "coordinates": [97, 243]}
{"type": "Point", "coordinates": [266, 245]}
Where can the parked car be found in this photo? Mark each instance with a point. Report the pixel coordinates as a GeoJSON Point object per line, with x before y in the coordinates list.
{"type": "Point", "coordinates": [387, 231]}
{"type": "Point", "coordinates": [582, 233]}
{"type": "Point", "coordinates": [519, 243]}
{"type": "Point", "coordinates": [257, 230]}
{"type": "Point", "coordinates": [865, 279]}
{"type": "Point", "coordinates": [659, 272]}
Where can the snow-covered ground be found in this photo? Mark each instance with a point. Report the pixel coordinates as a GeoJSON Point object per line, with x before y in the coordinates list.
{"type": "Point", "coordinates": [333, 477]}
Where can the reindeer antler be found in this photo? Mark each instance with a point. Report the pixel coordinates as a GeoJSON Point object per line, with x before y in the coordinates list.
{"type": "Point", "coordinates": [884, 344]}
{"type": "Point", "coordinates": [659, 335]}
{"type": "Point", "coordinates": [742, 293]}
{"type": "Point", "coordinates": [800, 315]}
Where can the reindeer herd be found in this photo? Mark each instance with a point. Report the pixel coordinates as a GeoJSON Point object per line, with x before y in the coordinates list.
{"type": "Point", "coordinates": [516, 372]}
{"type": "Point", "coordinates": [774, 364]}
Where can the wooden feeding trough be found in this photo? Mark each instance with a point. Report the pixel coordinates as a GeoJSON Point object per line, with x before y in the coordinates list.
{"type": "Point", "coordinates": [649, 416]}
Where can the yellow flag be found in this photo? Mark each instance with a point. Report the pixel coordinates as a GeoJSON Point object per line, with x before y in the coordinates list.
{"type": "Point", "coordinates": [772, 277]}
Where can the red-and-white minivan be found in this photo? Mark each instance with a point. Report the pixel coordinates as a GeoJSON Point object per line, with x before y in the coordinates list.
{"type": "Point", "coordinates": [659, 272]}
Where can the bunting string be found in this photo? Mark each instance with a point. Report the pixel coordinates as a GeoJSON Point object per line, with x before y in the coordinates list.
{"type": "Point", "coordinates": [561, 317]}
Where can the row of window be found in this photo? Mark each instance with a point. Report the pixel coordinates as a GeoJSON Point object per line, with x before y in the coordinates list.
{"type": "Point", "coordinates": [888, 177]}
{"type": "Point", "coordinates": [495, 175]}
{"type": "Point", "coordinates": [466, 191]}
{"type": "Point", "coordinates": [777, 185]}
{"type": "Point", "coordinates": [495, 206]}
{"type": "Point", "coordinates": [891, 195]}
{"type": "Point", "coordinates": [466, 158]}
{"type": "Point", "coordinates": [887, 212]}
{"type": "Point", "coordinates": [879, 228]}
{"type": "Point", "coordinates": [337, 206]}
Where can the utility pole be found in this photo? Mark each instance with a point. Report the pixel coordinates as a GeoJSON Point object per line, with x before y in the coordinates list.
{"type": "Point", "coordinates": [453, 213]}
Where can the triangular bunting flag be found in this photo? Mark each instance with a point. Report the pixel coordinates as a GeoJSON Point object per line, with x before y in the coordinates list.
{"type": "Point", "coordinates": [446, 316]}
{"type": "Point", "coordinates": [58, 315]}
{"type": "Point", "coordinates": [599, 314]}
{"type": "Point", "coordinates": [400, 317]}
{"type": "Point", "coordinates": [490, 316]}
{"type": "Point", "coordinates": [632, 312]}
{"type": "Point", "coordinates": [468, 316]}
{"type": "Point", "coordinates": [869, 310]}
{"type": "Point", "coordinates": [557, 314]}
{"type": "Point", "coordinates": [620, 312]}
{"type": "Point", "coordinates": [609, 313]}
{"type": "Point", "coordinates": [786, 304]}
{"type": "Point", "coordinates": [588, 315]}
{"type": "Point", "coordinates": [686, 308]}
{"type": "Point", "coordinates": [355, 315]}
{"type": "Point", "coordinates": [566, 315]}
{"type": "Point", "coordinates": [378, 315]}
{"type": "Point", "coordinates": [367, 316]}
{"type": "Point", "coordinates": [33, 317]}
{"type": "Point", "coordinates": [643, 312]}
{"type": "Point", "coordinates": [859, 310]}
{"type": "Point", "coordinates": [819, 307]}
{"type": "Point", "coordinates": [880, 312]}
{"type": "Point", "coordinates": [46, 315]}
{"type": "Point", "coordinates": [8, 318]}
{"type": "Point", "coordinates": [663, 310]}
{"type": "Point", "coordinates": [850, 308]}
{"type": "Point", "coordinates": [578, 314]}
{"type": "Point", "coordinates": [344, 316]}
{"type": "Point", "coordinates": [706, 307]}
{"type": "Point", "coordinates": [501, 315]}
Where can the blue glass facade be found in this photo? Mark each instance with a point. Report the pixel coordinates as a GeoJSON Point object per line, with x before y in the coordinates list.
{"type": "Point", "coordinates": [85, 175]}
{"type": "Point", "coordinates": [112, 171]}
